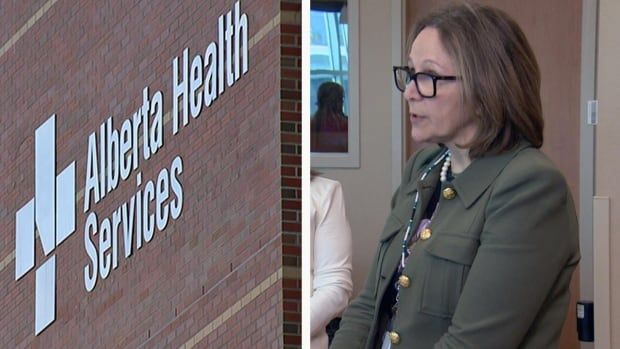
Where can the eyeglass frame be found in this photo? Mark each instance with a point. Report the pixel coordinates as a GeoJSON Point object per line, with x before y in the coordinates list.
{"type": "Point", "coordinates": [414, 77]}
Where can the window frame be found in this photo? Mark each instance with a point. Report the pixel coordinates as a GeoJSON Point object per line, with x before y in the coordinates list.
{"type": "Point", "coordinates": [350, 159]}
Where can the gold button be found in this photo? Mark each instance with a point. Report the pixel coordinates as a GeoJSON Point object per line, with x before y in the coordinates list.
{"type": "Point", "coordinates": [449, 193]}
{"type": "Point", "coordinates": [426, 234]}
{"type": "Point", "coordinates": [394, 337]}
{"type": "Point", "coordinates": [404, 281]}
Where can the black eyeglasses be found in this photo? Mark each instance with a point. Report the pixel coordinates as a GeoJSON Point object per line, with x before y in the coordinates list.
{"type": "Point", "coordinates": [426, 83]}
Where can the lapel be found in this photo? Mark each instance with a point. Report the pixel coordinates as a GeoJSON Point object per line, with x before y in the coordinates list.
{"type": "Point", "coordinates": [399, 219]}
{"type": "Point", "coordinates": [402, 211]}
{"type": "Point", "coordinates": [479, 175]}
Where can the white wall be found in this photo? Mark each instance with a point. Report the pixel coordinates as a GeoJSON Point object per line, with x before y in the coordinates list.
{"type": "Point", "coordinates": [368, 190]}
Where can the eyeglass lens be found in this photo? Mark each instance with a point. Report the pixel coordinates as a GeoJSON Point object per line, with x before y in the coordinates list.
{"type": "Point", "coordinates": [424, 82]}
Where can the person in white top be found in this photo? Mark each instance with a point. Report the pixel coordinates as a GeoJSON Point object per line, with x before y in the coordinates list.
{"type": "Point", "coordinates": [331, 257]}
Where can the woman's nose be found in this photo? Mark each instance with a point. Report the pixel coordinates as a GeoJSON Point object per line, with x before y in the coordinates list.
{"type": "Point", "coordinates": [411, 92]}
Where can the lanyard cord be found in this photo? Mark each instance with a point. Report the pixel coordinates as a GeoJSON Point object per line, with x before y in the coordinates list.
{"type": "Point", "coordinates": [409, 235]}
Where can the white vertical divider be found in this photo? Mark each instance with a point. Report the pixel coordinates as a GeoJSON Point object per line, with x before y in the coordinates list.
{"type": "Point", "coordinates": [602, 282]}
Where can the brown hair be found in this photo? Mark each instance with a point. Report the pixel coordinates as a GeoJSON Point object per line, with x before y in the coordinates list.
{"type": "Point", "coordinates": [330, 97]}
{"type": "Point", "coordinates": [500, 75]}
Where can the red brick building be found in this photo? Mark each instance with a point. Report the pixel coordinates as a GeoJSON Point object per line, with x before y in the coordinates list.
{"type": "Point", "coordinates": [211, 258]}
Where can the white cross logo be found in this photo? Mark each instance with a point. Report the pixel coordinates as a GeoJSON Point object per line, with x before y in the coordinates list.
{"type": "Point", "coordinates": [52, 213]}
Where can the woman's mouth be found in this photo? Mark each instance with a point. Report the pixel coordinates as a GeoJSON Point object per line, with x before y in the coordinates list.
{"type": "Point", "coordinates": [414, 118]}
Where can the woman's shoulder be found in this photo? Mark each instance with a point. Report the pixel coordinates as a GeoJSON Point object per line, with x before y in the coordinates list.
{"type": "Point", "coordinates": [322, 188]}
{"type": "Point", "coordinates": [323, 182]}
{"type": "Point", "coordinates": [531, 168]}
{"type": "Point", "coordinates": [532, 162]}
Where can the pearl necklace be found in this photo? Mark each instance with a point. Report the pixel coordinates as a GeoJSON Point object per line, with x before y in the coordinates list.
{"type": "Point", "coordinates": [443, 176]}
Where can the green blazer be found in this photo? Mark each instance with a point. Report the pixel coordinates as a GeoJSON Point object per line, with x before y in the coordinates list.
{"type": "Point", "coordinates": [496, 268]}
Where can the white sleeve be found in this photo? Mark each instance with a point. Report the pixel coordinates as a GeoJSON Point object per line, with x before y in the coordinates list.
{"type": "Point", "coordinates": [332, 284]}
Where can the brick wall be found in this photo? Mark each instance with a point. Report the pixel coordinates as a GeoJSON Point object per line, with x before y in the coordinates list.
{"type": "Point", "coordinates": [226, 272]}
{"type": "Point", "coordinates": [290, 92]}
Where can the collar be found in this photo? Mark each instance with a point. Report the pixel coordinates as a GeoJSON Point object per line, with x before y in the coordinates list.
{"type": "Point", "coordinates": [479, 175]}
{"type": "Point", "coordinates": [469, 185]}
{"type": "Point", "coordinates": [402, 211]}
{"type": "Point", "coordinates": [472, 182]}
{"type": "Point", "coordinates": [427, 157]}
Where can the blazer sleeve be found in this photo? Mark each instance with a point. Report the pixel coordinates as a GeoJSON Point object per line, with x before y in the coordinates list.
{"type": "Point", "coordinates": [528, 238]}
{"type": "Point", "coordinates": [332, 262]}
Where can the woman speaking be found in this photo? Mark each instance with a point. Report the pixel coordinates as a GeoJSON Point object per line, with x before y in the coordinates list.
{"type": "Point", "coordinates": [482, 238]}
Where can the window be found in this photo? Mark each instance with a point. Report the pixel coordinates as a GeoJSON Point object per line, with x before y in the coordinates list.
{"type": "Point", "coordinates": [334, 120]}
{"type": "Point", "coordinates": [329, 51]}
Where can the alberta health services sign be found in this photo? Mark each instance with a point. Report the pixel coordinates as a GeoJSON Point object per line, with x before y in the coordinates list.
{"type": "Point", "coordinates": [112, 156]}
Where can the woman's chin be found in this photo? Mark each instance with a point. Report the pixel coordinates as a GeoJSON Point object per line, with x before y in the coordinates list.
{"type": "Point", "coordinates": [419, 137]}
